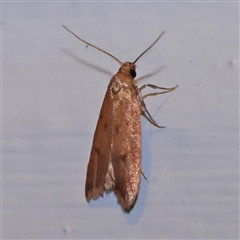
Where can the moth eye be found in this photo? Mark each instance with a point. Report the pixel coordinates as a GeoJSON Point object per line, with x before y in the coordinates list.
{"type": "Point", "coordinates": [133, 73]}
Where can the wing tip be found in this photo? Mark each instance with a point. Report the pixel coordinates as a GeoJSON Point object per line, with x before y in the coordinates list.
{"type": "Point", "coordinates": [93, 194]}
{"type": "Point", "coordinates": [126, 203]}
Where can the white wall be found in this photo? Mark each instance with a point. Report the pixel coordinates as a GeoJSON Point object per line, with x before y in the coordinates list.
{"type": "Point", "coordinates": [52, 91]}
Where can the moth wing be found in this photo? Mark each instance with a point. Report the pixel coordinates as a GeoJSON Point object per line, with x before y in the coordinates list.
{"type": "Point", "coordinates": [126, 150]}
{"type": "Point", "coordinates": [97, 170]}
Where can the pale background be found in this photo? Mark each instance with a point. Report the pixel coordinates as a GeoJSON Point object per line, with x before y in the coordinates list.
{"type": "Point", "coordinates": [52, 91]}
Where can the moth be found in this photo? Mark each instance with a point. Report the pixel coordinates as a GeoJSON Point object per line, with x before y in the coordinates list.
{"type": "Point", "coordinates": [115, 158]}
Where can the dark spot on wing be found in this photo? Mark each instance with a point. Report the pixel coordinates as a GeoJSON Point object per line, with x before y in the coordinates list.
{"type": "Point", "coordinates": [118, 157]}
{"type": "Point", "coordinates": [97, 150]}
{"type": "Point", "coordinates": [105, 125]}
{"type": "Point", "coordinates": [123, 157]}
{"type": "Point", "coordinates": [117, 128]}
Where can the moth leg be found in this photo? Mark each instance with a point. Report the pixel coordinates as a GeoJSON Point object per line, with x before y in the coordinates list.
{"type": "Point", "coordinates": [144, 110]}
{"type": "Point", "coordinates": [143, 174]}
{"type": "Point", "coordinates": [148, 116]}
{"type": "Point", "coordinates": [156, 87]}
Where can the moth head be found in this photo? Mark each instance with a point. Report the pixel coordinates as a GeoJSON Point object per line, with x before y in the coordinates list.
{"type": "Point", "coordinates": [128, 68]}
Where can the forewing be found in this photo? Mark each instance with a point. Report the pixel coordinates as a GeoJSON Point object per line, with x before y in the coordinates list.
{"type": "Point", "coordinates": [97, 171]}
{"type": "Point", "coordinates": [126, 147]}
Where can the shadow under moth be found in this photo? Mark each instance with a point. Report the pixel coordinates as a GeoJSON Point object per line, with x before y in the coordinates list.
{"type": "Point", "coordinates": [115, 159]}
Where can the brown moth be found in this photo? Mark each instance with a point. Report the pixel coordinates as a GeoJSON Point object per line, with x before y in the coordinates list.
{"type": "Point", "coordinates": [115, 158]}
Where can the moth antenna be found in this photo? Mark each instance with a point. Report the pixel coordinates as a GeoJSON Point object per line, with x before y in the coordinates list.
{"type": "Point", "coordinates": [150, 46]}
{"type": "Point", "coordinates": [93, 46]}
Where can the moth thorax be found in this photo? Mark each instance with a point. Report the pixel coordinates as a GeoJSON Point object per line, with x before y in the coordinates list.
{"type": "Point", "coordinates": [128, 68]}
